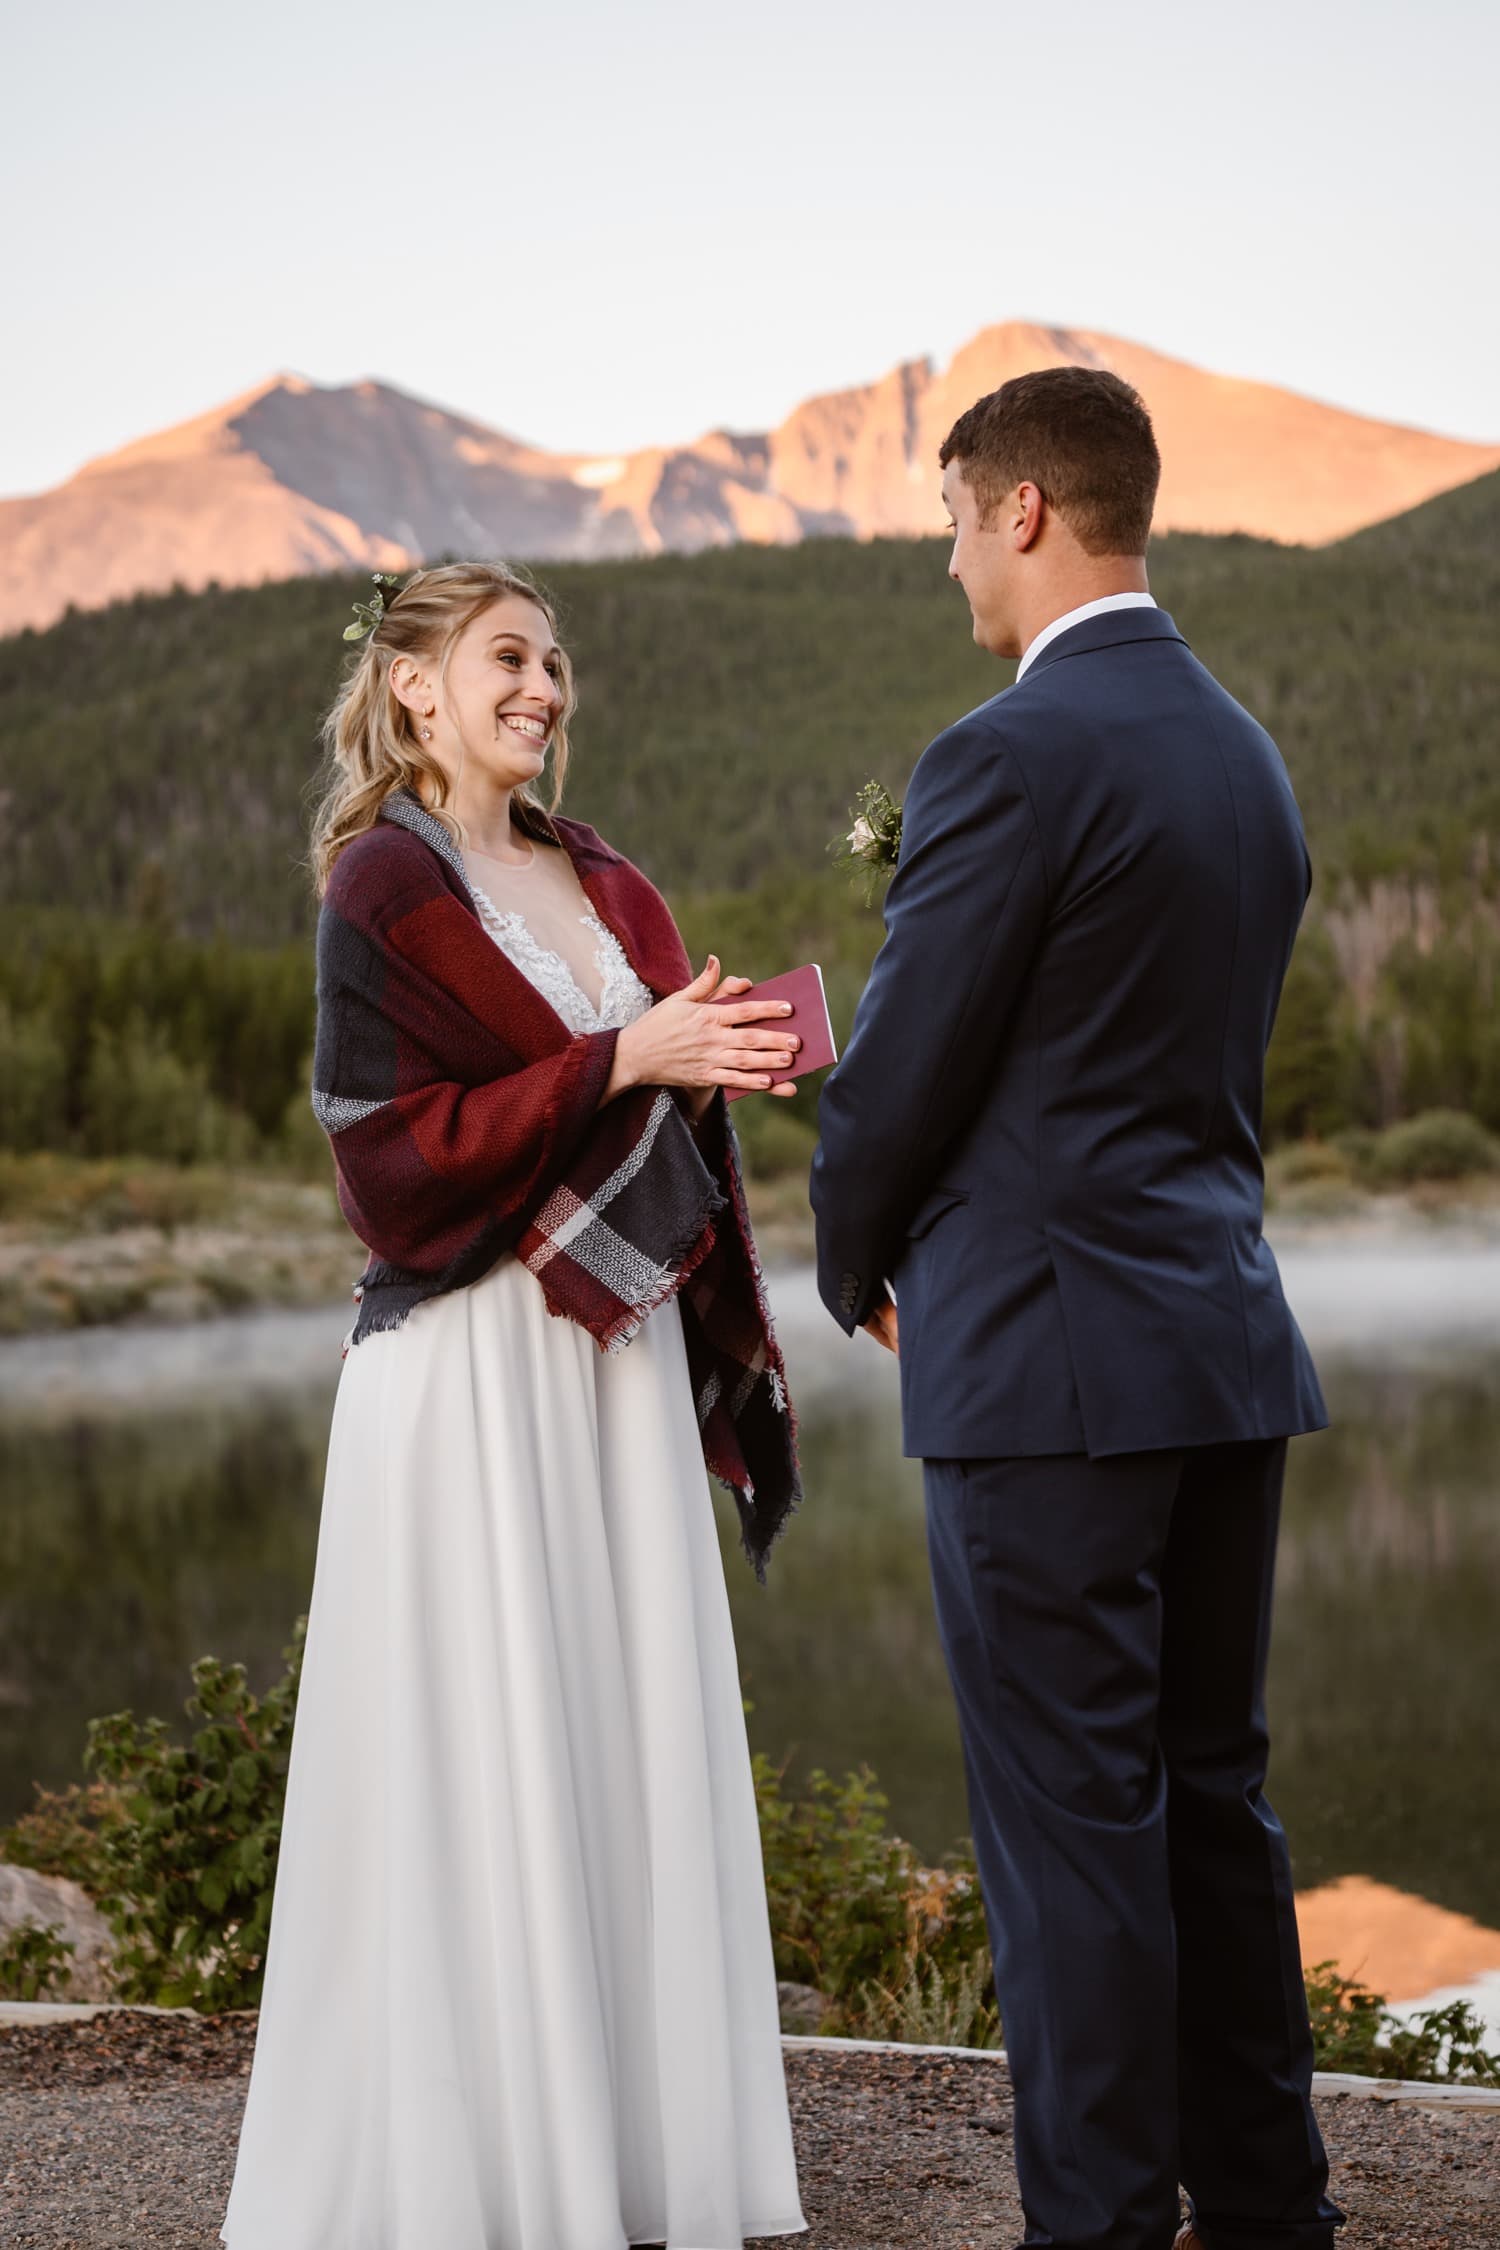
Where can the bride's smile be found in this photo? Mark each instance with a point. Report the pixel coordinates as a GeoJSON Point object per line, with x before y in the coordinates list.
{"type": "Point", "coordinates": [536, 730]}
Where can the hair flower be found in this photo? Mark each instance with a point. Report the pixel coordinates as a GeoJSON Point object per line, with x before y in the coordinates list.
{"type": "Point", "coordinates": [367, 615]}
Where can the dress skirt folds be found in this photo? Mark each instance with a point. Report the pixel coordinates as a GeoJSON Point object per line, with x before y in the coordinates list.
{"type": "Point", "coordinates": [519, 1992]}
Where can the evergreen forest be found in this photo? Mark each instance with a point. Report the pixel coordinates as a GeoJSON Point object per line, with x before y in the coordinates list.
{"type": "Point", "coordinates": [158, 759]}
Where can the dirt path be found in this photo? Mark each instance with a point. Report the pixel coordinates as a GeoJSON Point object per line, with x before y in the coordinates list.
{"type": "Point", "coordinates": [120, 2130]}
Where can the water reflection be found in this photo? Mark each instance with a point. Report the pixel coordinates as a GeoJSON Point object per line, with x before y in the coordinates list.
{"type": "Point", "coordinates": [1386, 1662]}
{"type": "Point", "coordinates": [160, 1500]}
{"type": "Point", "coordinates": [132, 1542]}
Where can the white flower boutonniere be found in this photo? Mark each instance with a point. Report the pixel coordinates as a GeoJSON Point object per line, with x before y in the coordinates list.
{"type": "Point", "coordinates": [873, 845]}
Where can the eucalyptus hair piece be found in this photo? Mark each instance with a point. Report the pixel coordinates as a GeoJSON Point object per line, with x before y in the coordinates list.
{"type": "Point", "coordinates": [368, 615]}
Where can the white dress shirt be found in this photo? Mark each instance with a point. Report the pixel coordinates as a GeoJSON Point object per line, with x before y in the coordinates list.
{"type": "Point", "coordinates": [1077, 616]}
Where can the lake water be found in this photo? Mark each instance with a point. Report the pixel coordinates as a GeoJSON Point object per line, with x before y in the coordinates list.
{"type": "Point", "coordinates": [159, 1495]}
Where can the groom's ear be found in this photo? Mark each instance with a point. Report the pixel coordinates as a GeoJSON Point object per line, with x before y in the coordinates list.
{"type": "Point", "coordinates": [1025, 514]}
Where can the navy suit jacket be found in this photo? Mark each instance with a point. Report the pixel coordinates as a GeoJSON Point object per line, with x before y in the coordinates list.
{"type": "Point", "coordinates": [1045, 1128]}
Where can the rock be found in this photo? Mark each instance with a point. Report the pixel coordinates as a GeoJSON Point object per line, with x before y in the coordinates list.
{"type": "Point", "coordinates": [804, 2010]}
{"type": "Point", "coordinates": [26, 1896]}
{"type": "Point", "coordinates": [988, 2121]}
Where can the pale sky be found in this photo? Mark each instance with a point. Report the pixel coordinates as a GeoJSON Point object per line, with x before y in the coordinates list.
{"type": "Point", "coordinates": [597, 226]}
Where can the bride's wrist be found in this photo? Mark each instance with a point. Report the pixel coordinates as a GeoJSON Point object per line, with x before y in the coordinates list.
{"type": "Point", "coordinates": [622, 1075]}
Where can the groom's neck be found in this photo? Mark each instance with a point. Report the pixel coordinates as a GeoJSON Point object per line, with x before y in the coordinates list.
{"type": "Point", "coordinates": [1074, 580]}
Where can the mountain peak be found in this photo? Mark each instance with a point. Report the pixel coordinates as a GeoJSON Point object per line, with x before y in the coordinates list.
{"type": "Point", "coordinates": [294, 476]}
{"type": "Point", "coordinates": [201, 433]}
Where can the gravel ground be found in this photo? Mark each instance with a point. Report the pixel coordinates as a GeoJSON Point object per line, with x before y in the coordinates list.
{"type": "Point", "coordinates": [121, 2130]}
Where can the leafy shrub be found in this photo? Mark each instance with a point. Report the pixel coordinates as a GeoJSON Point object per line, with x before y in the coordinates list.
{"type": "Point", "coordinates": [64, 1832]}
{"type": "Point", "coordinates": [1312, 1164]}
{"type": "Point", "coordinates": [301, 1145]}
{"type": "Point", "coordinates": [854, 1913]}
{"type": "Point", "coordinates": [1354, 2030]}
{"type": "Point", "coordinates": [1305, 1092]}
{"type": "Point", "coordinates": [1443, 2046]}
{"type": "Point", "coordinates": [36, 1962]}
{"type": "Point", "coordinates": [1360, 1149]}
{"type": "Point", "coordinates": [1441, 1144]}
{"type": "Point", "coordinates": [33, 1082]}
{"type": "Point", "coordinates": [139, 1097]}
{"type": "Point", "coordinates": [189, 1863]}
{"type": "Point", "coordinates": [99, 1195]}
{"type": "Point", "coordinates": [84, 1195]}
{"type": "Point", "coordinates": [934, 2009]}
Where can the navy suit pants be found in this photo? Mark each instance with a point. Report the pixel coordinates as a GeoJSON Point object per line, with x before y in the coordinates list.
{"type": "Point", "coordinates": [1106, 1626]}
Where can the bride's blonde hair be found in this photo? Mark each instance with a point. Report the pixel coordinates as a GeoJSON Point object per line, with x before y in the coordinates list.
{"type": "Point", "coordinates": [370, 745]}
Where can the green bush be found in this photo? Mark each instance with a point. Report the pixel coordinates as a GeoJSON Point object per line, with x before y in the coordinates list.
{"type": "Point", "coordinates": [36, 1962]}
{"type": "Point", "coordinates": [1360, 1149]}
{"type": "Point", "coordinates": [1305, 1072]}
{"type": "Point", "coordinates": [63, 1833]}
{"type": "Point", "coordinates": [33, 1082]}
{"type": "Point", "coordinates": [189, 1863]}
{"type": "Point", "coordinates": [301, 1145]}
{"type": "Point", "coordinates": [139, 1098]}
{"type": "Point", "coordinates": [931, 2008]}
{"type": "Point", "coordinates": [1312, 1164]}
{"type": "Point", "coordinates": [101, 1195]}
{"type": "Point", "coordinates": [1353, 2030]}
{"type": "Point", "coordinates": [853, 1912]}
{"type": "Point", "coordinates": [118, 1036]}
{"type": "Point", "coordinates": [1441, 1144]}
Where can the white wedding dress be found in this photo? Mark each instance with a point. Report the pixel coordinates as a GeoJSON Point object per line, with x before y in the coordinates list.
{"type": "Point", "coordinates": [519, 1989]}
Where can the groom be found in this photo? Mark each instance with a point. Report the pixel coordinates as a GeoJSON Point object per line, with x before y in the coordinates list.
{"type": "Point", "coordinates": [1044, 1136]}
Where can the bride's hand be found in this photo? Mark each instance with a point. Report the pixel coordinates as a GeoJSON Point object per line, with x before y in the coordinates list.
{"type": "Point", "coordinates": [691, 1040]}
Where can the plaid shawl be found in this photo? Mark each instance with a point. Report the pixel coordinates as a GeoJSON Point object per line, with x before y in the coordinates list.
{"type": "Point", "coordinates": [465, 1123]}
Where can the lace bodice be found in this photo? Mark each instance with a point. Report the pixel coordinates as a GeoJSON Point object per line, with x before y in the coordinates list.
{"type": "Point", "coordinates": [622, 997]}
{"type": "Point", "coordinates": [621, 994]}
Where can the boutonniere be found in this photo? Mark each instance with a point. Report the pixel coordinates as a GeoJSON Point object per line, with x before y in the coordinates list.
{"type": "Point", "coordinates": [872, 846]}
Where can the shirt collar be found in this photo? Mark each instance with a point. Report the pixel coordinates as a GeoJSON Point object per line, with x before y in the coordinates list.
{"type": "Point", "coordinates": [1077, 616]}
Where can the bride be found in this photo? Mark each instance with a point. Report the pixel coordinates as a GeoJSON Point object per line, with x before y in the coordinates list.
{"type": "Point", "coordinates": [519, 1991]}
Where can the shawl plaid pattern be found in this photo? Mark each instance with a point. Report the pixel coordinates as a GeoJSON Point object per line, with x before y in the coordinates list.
{"type": "Point", "coordinates": [465, 1123]}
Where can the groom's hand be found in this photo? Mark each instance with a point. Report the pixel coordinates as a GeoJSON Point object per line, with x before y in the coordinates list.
{"type": "Point", "coordinates": [882, 1326]}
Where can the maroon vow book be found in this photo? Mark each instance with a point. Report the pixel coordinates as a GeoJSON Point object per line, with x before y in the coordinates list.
{"type": "Point", "coordinates": [808, 1019]}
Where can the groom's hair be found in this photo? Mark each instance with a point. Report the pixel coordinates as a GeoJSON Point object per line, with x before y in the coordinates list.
{"type": "Point", "coordinates": [1081, 436]}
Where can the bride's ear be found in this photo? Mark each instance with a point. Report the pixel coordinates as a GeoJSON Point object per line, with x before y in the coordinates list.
{"type": "Point", "coordinates": [410, 688]}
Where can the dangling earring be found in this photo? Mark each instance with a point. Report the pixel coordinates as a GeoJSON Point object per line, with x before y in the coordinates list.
{"type": "Point", "coordinates": [425, 733]}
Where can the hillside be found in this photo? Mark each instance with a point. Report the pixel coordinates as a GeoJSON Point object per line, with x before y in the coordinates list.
{"type": "Point", "coordinates": [733, 702]}
{"type": "Point", "coordinates": [293, 478]}
{"type": "Point", "coordinates": [156, 761]}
